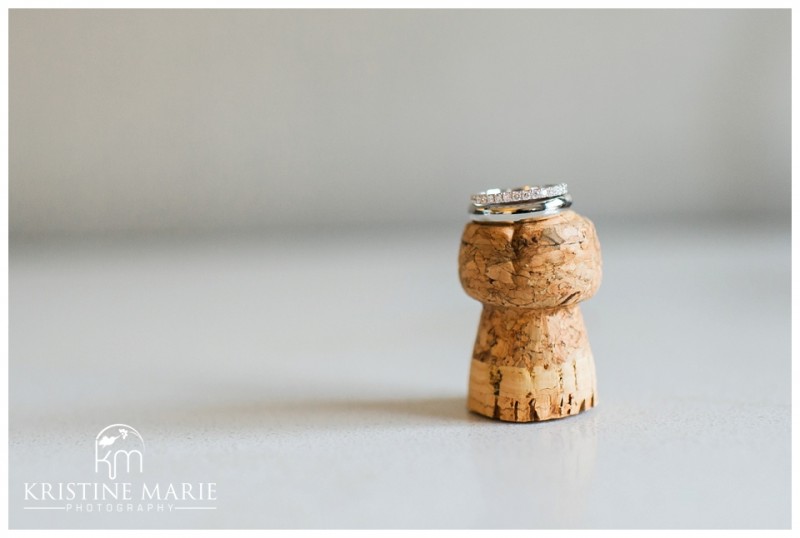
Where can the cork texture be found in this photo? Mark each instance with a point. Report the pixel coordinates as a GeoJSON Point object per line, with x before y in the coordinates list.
{"type": "Point", "coordinates": [531, 359]}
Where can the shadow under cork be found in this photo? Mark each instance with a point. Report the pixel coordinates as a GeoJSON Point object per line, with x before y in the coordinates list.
{"type": "Point", "coordinates": [318, 413]}
{"type": "Point", "coordinates": [338, 413]}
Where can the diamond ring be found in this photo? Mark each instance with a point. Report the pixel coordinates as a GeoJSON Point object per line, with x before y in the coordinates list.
{"type": "Point", "coordinates": [520, 194]}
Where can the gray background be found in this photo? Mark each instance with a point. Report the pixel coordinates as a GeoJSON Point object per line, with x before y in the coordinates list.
{"type": "Point", "coordinates": [142, 121]}
{"type": "Point", "coordinates": [237, 232]}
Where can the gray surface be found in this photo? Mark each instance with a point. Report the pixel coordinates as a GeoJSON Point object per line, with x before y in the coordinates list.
{"type": "Point", "coordinates": [320, 381]}
{"type": "Point", "coordinates": [125, 121]}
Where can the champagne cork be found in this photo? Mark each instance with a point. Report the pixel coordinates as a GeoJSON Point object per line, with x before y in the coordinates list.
{"type": "Point", "coordinates": [531, 360]}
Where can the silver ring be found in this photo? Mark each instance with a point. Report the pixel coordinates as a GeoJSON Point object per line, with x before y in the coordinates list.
{"type": "Point", "coordinates": [519, 194]}
{"type": "Point", "coordinates": [536, 209]}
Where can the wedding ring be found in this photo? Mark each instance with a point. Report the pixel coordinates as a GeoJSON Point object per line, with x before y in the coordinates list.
{"type": "Point", "coordinates": [513, 212]}
{"type": "Point", "coordinates": [520, 194]}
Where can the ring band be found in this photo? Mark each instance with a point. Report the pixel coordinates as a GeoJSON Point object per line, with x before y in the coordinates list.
{"type": "Point", "coordinates": [520, 194]}
{"type": "Point", "coordinates": [536, 209]}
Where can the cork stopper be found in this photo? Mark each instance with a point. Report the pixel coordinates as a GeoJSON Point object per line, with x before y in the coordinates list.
{"type": "Point", "coordinates": [531, 359]}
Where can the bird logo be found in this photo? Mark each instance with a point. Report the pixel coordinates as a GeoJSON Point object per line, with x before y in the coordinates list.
{"type": "Point", "coordinates": [129, 455]}
{"type": "Point", "coordinates": [107, 441]}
